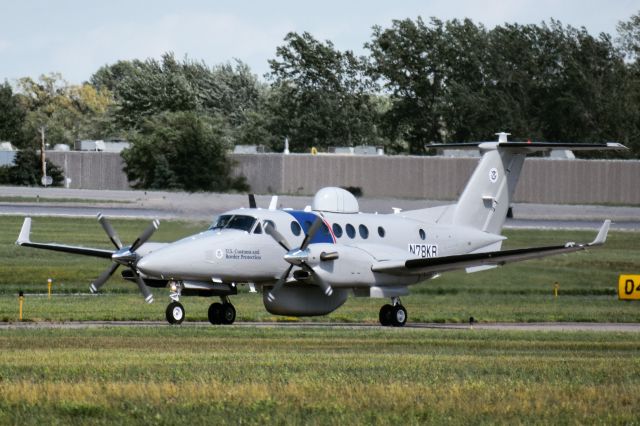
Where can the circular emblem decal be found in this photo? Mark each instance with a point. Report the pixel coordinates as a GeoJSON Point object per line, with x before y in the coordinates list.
{"type": "Point", "coordinates": [219, 253]}
{"type": "Point", "coordinates": [493, 175]}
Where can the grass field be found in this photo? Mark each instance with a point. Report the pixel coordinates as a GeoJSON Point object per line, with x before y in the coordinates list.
{"type": "Point", "coordinates": [517, 292]}
{"type": "Point", "coordinates": [223, 375]}
{"type": "Point", "coordinates": [251, 375]}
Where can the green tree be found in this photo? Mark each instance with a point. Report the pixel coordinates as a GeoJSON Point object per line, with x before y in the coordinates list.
{"type": "Point", "coordinates": [11, 115]}
{"type": "Point", "coordinates": [408, 59]}
{"type": "Point", "coordinates": [182, 150]}
{"type": "Point", "coordinates": [67, 112]}
{"type": "Point", "coordinates": [629, 42]}
{"type": "Point", "coordinates": [27, 170]}
{"type": "Point", "coordinates": [456, 81]}
{"type": "Point", "coordinates": [146, 88]}
{"type": "Point", "coordinates": [320, 95]}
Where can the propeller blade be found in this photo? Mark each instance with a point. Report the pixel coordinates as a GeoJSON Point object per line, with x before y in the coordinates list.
{"type": "Point", "coordinates": [148, 296]}
{"type": "Point", "coordinates": [95, 286]}
{"type": "Point", "coordinates": [153, 226]}
{"type": "Point", "coordinates": [252, 202]}
{"type": "Point", "coordinates": [113, 236]}
{"type": "Point", "coordinates": [279, 284]}
{"type": "Point", "coordinates": [280, 239]}
{"type": "Point", "coordinates": [315, 227]}
{"type": "Point", "coordinates": [328, 291]}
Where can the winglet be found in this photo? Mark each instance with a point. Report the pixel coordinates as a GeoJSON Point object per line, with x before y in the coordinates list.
{"type": "Point", "coordinates": [602, 234]}
{"type": "Point", "coordinates": [24, 232]}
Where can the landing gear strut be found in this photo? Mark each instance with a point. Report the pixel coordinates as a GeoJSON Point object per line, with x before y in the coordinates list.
{"type": "Point", "coordinates": [222, 313]}
{"type": "Point", "coordinates": [394, 314]}
{"type": "Point", "coordinates": [175, 311]}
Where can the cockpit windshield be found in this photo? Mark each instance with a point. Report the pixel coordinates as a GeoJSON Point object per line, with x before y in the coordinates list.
{"type": "Point", "coordinates": [241, 222]}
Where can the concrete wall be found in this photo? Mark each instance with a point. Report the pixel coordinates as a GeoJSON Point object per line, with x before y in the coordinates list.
{"type": "Point", "coordinates": [91, 170]}
{"type": "Point", "coordinates": [434, 178]}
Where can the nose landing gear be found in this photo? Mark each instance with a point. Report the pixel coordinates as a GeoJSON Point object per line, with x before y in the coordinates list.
{"type": "Point", "coordinates": [219, 313]}
{"type": "Point", "coordinates": [394, 314]}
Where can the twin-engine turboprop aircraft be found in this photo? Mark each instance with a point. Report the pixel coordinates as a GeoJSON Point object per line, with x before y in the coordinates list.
{"type": "Point", "coordinates": [307, 262]}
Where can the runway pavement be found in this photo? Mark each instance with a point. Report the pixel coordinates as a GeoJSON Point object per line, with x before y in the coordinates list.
{"type": "Point", "coordinates": [543, 327]}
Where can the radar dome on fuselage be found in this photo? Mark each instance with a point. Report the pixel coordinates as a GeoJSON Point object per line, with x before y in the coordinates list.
{"type": "Point", "coordinates": [335, 200]}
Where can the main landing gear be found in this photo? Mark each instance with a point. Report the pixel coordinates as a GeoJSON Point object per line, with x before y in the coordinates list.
{"type": "Point", "coordinates": [222, 313]}
{"type": "Point", "coordinates": [393, 315]}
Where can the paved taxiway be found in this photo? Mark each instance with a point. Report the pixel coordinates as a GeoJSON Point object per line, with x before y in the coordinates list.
{"type": "Point", "coordinates": [546, 326]}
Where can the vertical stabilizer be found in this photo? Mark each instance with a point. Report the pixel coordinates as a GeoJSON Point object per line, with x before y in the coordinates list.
{"type": "Point", "coordinates": [485, 200]}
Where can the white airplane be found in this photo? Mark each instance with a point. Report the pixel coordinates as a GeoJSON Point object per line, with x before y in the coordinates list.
{"type": "Point", "coordinates": [307, 262]}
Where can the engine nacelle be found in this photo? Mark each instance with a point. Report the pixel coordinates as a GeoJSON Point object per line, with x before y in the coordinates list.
{"type": "Point", "coordinates": [304, 300]}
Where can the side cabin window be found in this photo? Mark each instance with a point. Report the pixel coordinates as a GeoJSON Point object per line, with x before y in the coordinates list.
{"type": "Point", "coordinates": [351, 231]}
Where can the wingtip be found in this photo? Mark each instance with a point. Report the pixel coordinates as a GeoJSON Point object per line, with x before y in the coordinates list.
{"type": "Point", "coordinates": [25, 232]}
{"type": "Point", "coordinates": [601, 238]}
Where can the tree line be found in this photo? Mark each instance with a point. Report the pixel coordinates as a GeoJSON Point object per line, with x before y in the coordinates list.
{"type": "Point", "coordinates": [420, 82]}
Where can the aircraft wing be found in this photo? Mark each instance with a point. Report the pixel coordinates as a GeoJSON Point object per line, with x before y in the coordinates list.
{"type": "Point", "coordinates": [24, 240]}
{"type": "Point", "coordinates": [493, 258]}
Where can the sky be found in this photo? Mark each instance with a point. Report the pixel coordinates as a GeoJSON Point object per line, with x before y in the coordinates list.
{"type": "Point", "coordinates": [76, 37]}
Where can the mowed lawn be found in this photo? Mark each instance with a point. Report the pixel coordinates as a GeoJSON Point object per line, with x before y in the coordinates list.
{"type": "Point", "coordinates": [516, 292]}
{"type": "Point", "coordinates": [250, 375]}
{"type": "Point", "coordinates": [300, 375]}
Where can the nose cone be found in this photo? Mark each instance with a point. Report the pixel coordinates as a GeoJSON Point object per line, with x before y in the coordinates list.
{"type": "Point", "coordinates": [153, 265]}
{"type": "Point", "coordinates": [184, 259]}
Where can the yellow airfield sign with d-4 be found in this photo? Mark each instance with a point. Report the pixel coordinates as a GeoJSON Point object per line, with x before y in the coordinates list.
{"type": "Point", "coordinates": [629, 287]}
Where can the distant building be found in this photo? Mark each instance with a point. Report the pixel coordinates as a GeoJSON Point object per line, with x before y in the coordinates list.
{"type": "Point", "coordinates": [250, 149]}
{"type": "Point", "coordinates": [357, 150]}
{"type": "Point", "coordinates": [102, 146]}
{"type": "Point", "coordinates": [7, 154]}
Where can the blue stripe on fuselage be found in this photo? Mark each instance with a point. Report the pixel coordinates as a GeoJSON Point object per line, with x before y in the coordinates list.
{"type": "Point", "coordinates": [305, 219]}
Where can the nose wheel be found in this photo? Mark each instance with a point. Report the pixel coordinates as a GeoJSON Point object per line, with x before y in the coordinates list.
{"type": "Point", "coordinates": [175, 313]}
{"type": "Point", "coordinates": [393, 315]}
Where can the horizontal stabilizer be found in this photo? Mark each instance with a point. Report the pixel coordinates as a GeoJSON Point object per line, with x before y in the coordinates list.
{"type": "Point", "coordinates": [532, 146]}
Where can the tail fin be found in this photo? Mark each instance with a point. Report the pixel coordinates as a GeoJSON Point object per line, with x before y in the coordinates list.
{"type": "Point", "coordinates": [485, 200]}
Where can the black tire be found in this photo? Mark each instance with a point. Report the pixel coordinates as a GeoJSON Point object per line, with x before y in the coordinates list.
{"type": "Point", "coordinates": [385, 315]}
{"type": "Point", "coordinates": [175, 313]}
{"type": "Point", "coordinates": [398, 316]}
{"type": "Point", "coordinates": [215, 313]}
{"type": "Point", "coordinates": [228, 313]}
